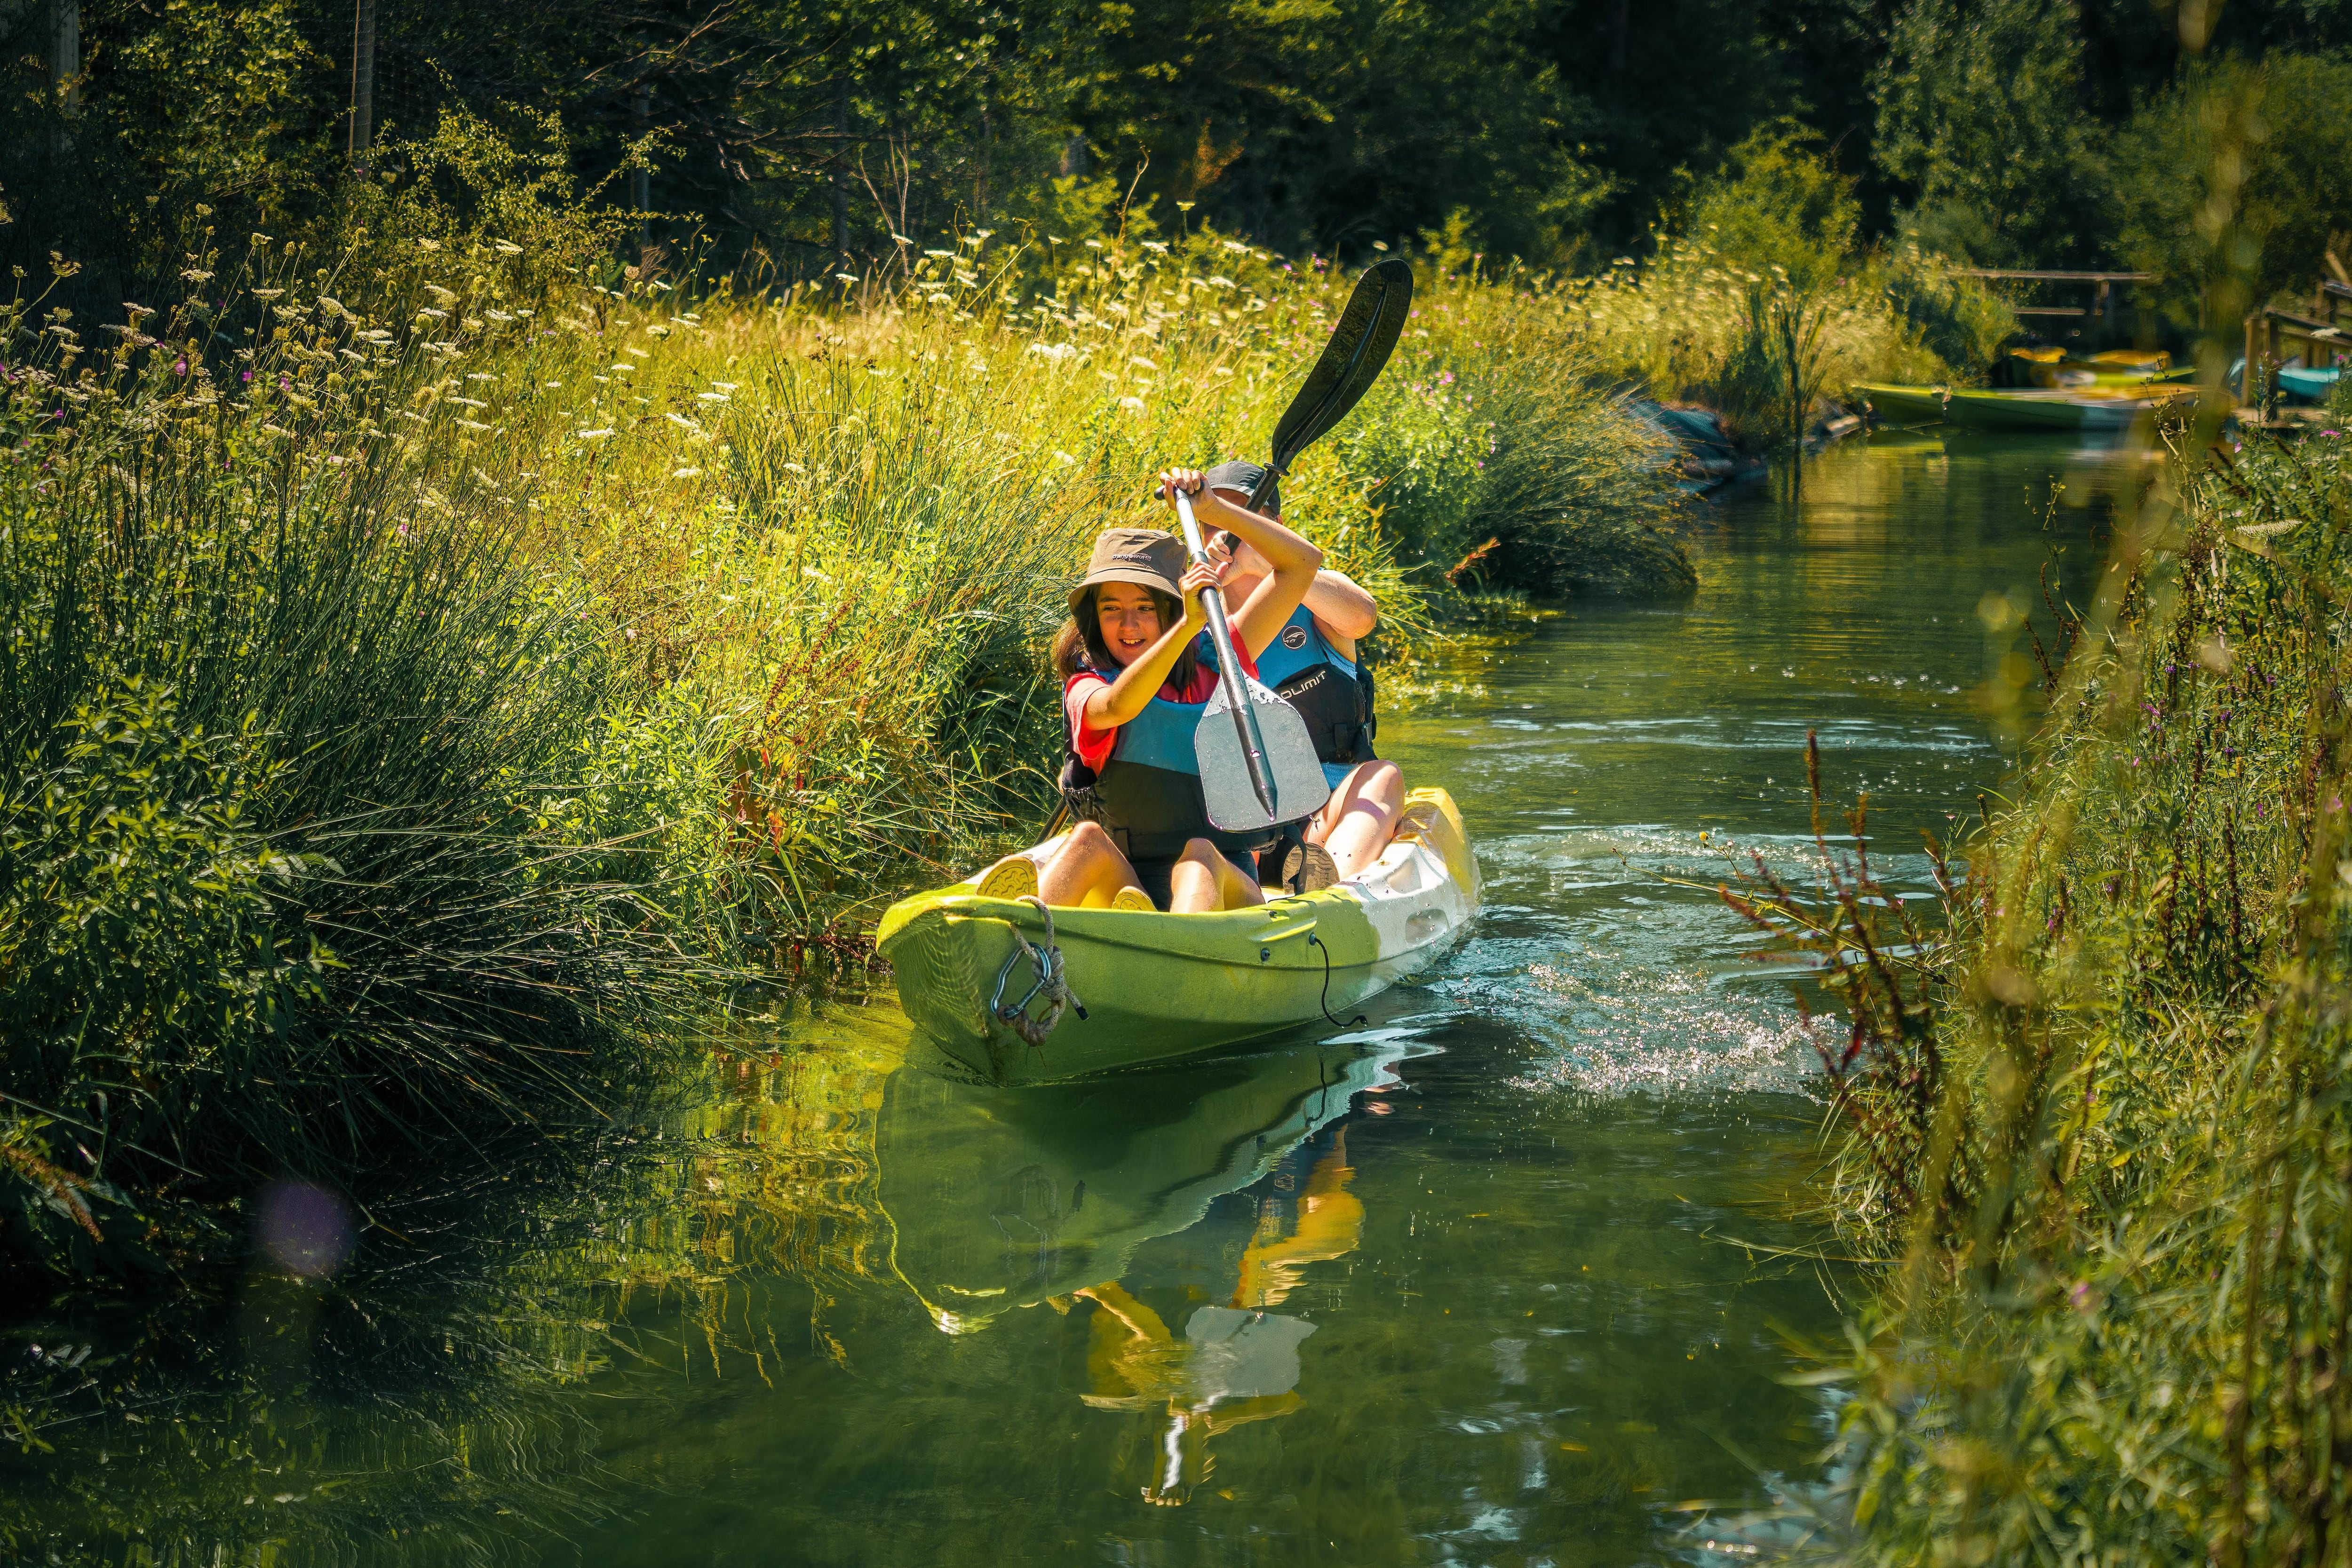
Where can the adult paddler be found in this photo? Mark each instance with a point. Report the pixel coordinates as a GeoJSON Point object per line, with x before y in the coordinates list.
{"type": "Point", "coordinates": [1312, 662]}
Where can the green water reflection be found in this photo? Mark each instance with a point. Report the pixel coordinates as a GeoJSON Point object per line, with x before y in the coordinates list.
{"type": "Point", "coordinates": [1492, 1277]}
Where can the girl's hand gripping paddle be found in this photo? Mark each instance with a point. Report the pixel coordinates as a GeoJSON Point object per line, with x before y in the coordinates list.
{"type": "Point", "coordinates": [1257, 762]}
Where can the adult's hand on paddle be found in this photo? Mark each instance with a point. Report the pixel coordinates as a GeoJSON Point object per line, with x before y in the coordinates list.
{"type": "Point", "coordinates": [1188, 480]}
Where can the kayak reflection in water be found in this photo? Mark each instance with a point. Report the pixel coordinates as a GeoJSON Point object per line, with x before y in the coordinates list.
{"type": "Point", "coordinates": [1312, 664]}
{"type": "Point", "coordinates": [1235, 1364]}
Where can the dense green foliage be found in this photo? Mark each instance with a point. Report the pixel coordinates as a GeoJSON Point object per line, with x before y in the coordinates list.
{"type": "Point", "coordinates": [2000, 132]}
{"type": "Point", "coordinates": [2268, 142]}
{"type": "Point", "coordinates": [1980, 120]}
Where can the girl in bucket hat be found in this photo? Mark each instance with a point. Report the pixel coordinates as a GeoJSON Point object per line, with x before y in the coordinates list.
{"type": "Point", "coordinates": [1136, 670]}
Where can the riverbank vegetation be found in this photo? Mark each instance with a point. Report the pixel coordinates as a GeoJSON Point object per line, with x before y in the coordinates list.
{"type": "Point", "coordinates": [1766, 295]}
{"type": "Point", "coordinates": [2096, 1133]}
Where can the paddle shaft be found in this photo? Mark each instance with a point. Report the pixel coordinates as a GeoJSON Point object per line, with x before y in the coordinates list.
{"type": "Point", "coordinates": [1229, 674]}
{"type": "Point", "coordinates": [1352, 366]}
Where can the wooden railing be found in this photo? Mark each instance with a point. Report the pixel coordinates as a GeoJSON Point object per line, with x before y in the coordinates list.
{"type": "Point", "coordinates": [2325, 336]}
{"type": "Point", "coordinates": [2102, 298]}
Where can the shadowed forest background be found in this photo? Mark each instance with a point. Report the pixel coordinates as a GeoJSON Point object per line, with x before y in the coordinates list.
{"type": "Point", "coordinates": [803, 138]}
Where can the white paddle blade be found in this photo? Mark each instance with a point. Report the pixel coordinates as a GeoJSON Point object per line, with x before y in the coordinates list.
{"type": "Point", "coordinates": [1291, 766]}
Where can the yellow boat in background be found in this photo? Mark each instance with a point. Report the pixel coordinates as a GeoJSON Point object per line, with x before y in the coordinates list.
{"type": "Point", "coordinates": [2052, 369]}
{"type": "Point", "coordinates": [1154, 987]}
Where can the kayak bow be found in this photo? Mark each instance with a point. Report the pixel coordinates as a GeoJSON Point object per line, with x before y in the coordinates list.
{"type": "Point", "coordinates": [1155, 986]}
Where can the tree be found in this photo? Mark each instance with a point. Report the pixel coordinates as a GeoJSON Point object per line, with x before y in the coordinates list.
{"type": "Point", "coordinates": [1980, 122]}
{"type": "Point", "coordinates": [2234, 178]}
{"type": "Point", "coordinates": [1326, 124]}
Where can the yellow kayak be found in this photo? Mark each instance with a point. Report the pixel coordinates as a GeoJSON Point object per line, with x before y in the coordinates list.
{"type": "Point", "coordinates": [1154, 987]}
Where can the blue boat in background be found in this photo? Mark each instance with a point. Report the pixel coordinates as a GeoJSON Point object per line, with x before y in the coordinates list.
{"type": "Point", "coordinates": [2310, 386]}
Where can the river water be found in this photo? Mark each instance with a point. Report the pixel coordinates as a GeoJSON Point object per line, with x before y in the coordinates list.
{"type": "Point", "coordinates": [1512, 1271]}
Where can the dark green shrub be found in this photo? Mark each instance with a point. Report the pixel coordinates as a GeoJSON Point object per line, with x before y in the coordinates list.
{"type": "Point", "coordinates": [317, 849]}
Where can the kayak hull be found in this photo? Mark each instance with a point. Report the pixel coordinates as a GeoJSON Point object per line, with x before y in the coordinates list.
{"type": "Point", "coordinates": [2308, 385]}
{"type": "Point", "coordinates": [1158, 987]}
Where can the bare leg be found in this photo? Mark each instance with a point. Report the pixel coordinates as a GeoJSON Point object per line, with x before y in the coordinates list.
{"type": "Point", "coordinates": [1201, 880]}
{"type": "Point", "coordinates": [1357, 822]}
{"type": "Point", "coordinates": [1086, 872]}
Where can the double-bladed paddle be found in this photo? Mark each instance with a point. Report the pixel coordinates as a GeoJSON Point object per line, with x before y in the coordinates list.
{"type": "Point", "coordinates": [1257, 762]}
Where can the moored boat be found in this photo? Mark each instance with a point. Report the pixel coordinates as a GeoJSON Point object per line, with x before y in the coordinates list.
{"type": "Point", "coordinates": [2311, 385]}
{"type": "Point", "coordinates": [1156, 987]}
{"type": "Point", "coordinates": [2073, 409]}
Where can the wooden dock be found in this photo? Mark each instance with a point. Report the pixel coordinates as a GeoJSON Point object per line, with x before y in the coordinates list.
{"type": "Point", "coordinates": [2103, 298]}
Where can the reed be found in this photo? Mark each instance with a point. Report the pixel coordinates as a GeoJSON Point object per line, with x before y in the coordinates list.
{"type": "Point", "coordinates": [2095, 1124]}
{"type": "Point", "coordinates": [1702, 324]}
{"type": "Point", "coordinates": [312, 856]}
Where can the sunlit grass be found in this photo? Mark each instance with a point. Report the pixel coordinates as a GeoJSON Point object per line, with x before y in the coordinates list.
{"type": "Point", "coordinates": [423, 664]}
{"type": "Point", "coordinates": [1694, 324]}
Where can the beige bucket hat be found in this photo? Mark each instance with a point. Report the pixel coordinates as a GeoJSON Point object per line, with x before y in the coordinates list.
{"type": "Point", "coordinates": [1151, 558]}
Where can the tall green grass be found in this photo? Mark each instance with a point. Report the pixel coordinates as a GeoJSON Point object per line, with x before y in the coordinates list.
{"type": "Point", "coordinates": [296, 874]}
{"type": "Point", "coordinates": [2098, 1130]}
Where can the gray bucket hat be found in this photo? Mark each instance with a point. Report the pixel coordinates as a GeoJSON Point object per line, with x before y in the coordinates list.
{"type": "Point", "coordinates": [1242, 475]}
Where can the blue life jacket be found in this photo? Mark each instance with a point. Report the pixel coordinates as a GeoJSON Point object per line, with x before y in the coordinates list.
{"type": "Point", "coordinates": [1331, 693]}
{"type": "Point", "coordinates": [1148, 795]}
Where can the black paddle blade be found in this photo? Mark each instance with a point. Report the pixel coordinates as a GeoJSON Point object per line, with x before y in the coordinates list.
{"type": "Point", "coordinates": [1359, 346]}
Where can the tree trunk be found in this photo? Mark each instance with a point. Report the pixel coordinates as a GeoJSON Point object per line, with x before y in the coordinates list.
{"type": "Point", "coordinates": [641, 180]}
{"type": "Point", "coordinates": [65, 19]}
{"type": "Point", "coordinates": [362, 77]}
{"type": "Point", "coordinates": [987, 146]}
{"type": "Point", "coordinates": [841, 165]}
